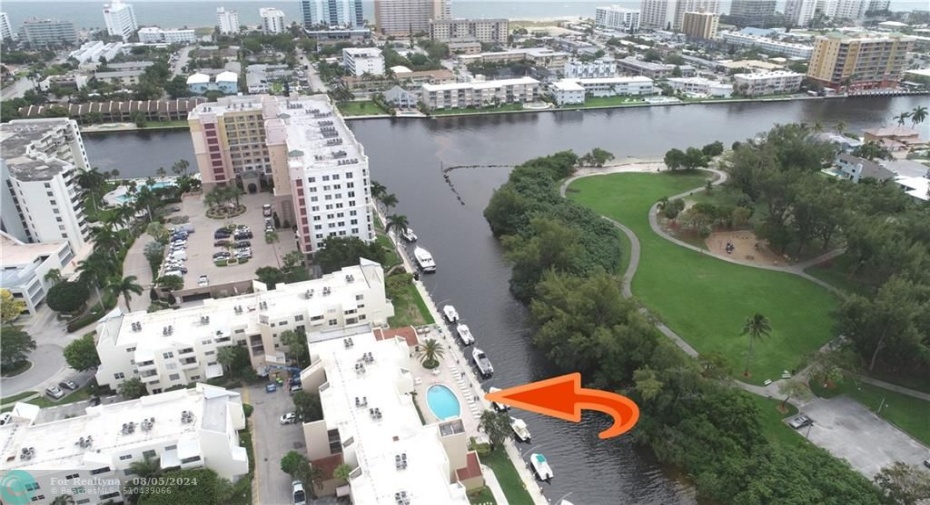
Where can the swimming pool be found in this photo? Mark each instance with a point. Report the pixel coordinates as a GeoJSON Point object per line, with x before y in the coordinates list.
{"type": "Point", "coordinates": [160, 184]}
{"type": "Point", "coordinates": [442, 402]}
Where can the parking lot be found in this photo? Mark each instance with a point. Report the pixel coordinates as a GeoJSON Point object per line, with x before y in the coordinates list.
{"type": "Point", "coordinates": [272, 441]}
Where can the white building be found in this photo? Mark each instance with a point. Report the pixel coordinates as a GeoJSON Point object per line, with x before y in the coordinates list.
{"type": "Point", "coordinates": [120, 19]}
{"type": "Point", "coordinates": [769, 46]}
{"type": "Point", "coordinates": [617, 18]}
{"type": "Point", "coordinates": [25, 266]}
{"type": "Point", "coordinates": [91, 52]}
{"type": "Point", "coordinates": [767, 83]}
{"type": "Point", "coordinates": [363, 60]}
{"type": "Point", "coordinates": [272, 20]}
{"type": "Point", "coordinates": [567, 92]}
{"type": "Point", "coordinates": [40, 200]}
{"type": "Point", "coordinates": [227, 21]}
{"type": "Point", "coordinates": [177, 347]}
{"type": "Point", "coordinates": [155, 35]}
{"type": "Point", "coordinates": [800, 12]}
{"type": "Point", "coordinates": [603, 67]}
{"type": "Point", "coordinates": [318, 13]}
{"type": "Point", "coordinates": [617, 86]}
{"type": "Point", "coordinates": [6, 29]}
{"type": "Point", "coordinates": [669, 14]}
{"type": "Point", "coordinates": [480, 93]}
{"type": "Point", "coordinates": [701, 86]}
{"type": "Point", "coordinates": [89, 456]}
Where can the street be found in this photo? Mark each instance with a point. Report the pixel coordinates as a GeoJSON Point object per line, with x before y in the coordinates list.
{"type": "Point", "coordinates": [313, 77]}
{"type": "Point", "coordinates": [183, 57]}
{"type": "Point", "coordinates": [273, 441]}
{"type": "Point", "coordinates": [17, 89]}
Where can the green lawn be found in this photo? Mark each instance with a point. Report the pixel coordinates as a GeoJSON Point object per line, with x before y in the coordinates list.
{"type": "Point", "coordinates": [367, 108]}
{"type": "Point", "coordinates": [482, 496]}
{"type": "Point", "coordinates": [44, 401]}
{"type": "Point", "coordinates": [410, 309]}
{"type": "Point", "coordinates": [773, 426]}
{"type": "Point", "coordinates": [392, 257]}
{"type": "Point", "coordinates": [906, 412]}
{"type": "Point", "coordinates": [508, 477]}
{"type": "Point", "coordinates": [705, 300]}
{"type": "Point", "coordinates": [11, 400]}
{"type": "Point", "coordinates": [607, 101]}
{"type": "Point", "coordinates": [506, 107]}
{"type": "Point", "coordinates": [836, 273]}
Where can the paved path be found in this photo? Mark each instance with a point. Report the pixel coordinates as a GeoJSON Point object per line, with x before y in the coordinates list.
{"type": "Point", "coordinates": [894, 387]}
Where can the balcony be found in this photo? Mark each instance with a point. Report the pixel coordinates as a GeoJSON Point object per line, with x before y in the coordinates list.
{"type": "Point", "coordinates": [146, 365]}
{"type": "Point", "coordinates": [149, 378]}
{"type": "Point", "coordinates": [189, 363]}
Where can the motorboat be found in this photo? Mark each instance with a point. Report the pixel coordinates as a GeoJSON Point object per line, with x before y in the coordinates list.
{"type": "Point", "coordinates": [450, 314]}
{"type": "Point", "coordinates": [409, 235]}
{"type": "Point", "coordinates": [424, 260]}
{"type": "Point", "coordinates": [482, 362]}
{"type": "Point", "coordinates": [464, 334]}
{"type": "Point", "coordinates": [541, 467]}
{"type": "Point", "coordinates": [500, 407]}
{"type": "Point", "coordinates": [520, 430]}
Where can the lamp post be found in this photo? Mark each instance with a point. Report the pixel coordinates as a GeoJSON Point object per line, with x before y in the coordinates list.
{"type": "Point", "coordinates": [808, 434]}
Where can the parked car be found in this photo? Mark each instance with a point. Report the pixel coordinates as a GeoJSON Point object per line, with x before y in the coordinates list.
{"type": "Point", "coordinates": [271, 387]}
{"type": "Point", "coordinates": [927, 462]}
{"type": "Point", "coordinates": [800, 422]}
{"type": "Point", "coordinates": [221, 243]}
{"type": "Point", "coordinates": [54, 392]}
{"type": "Point", "coordinates": [5, 417]}
{"type": "Point", "coordinates": [221, 255]}
{"type": "Point", "coordinates": [244, 253]}
{"type": "Point", "coordinates": [242, 244]}
{"type": "Point", "coordinates": [289, 418]}
{"type": "Point", "coordinates": [68, 385]}
{"type": "Point", "coordinates": [266, 210]}
{"type": "Point", "coordinates": [243, 235]}
{"type": "Point", "coordinates": [203, 281]}
{"type": "Point", "coordinates": [295, 388]}
{"type": "Point", "coordinates": [300, 497]}
{"type": "Point", "coordinates": [221, 234]}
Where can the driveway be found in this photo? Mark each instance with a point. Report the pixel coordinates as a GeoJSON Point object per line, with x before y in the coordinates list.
{"type": "Point", "coordinates": [47, 363]}
{"type": "Point", "coordinates": [850, 431]}
{"type": "Point", "coordinates": [272, 442]}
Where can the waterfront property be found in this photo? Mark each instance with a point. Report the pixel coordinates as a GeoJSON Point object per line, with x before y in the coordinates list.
{"type": "Point", "coordinates": [574, 91]}
{"type": "Point", "coordinates": [489, 31]}
{"type": "Point", "coordinates": [633, 66]}
{"type": "Point", "coordinates": [767, 83]}
{"type": "Point", "coordinates": [156, 35]}
{"type": "Point", "coordinates": [480, 93]}
{"type": "Point", "coordinates": [862, 62]}
{"type": "Point", "coordinates": [363, 60]}
{"type": "Point", "coordinates": [701, 86]}
{"type": "Point", "coordinates": [617, 18]}
{"type": "Point", "coordinates": [855, 169]}
{"type": "Point", "coordinates": [116, 111]}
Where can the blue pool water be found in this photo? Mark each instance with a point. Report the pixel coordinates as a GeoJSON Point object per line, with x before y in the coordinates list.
{"type": "Point", "coordinates": [442, 402]}
{"type": "Point", "coordinates": [157, 185]}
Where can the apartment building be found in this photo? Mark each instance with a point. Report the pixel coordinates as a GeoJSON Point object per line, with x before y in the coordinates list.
{"type": "Point", "coordinates": [90, 52]}
{"type": "Point", "coordinates": [89, 456]}
{"type": "Point", "coordinates": [631, 65]}
{"type": "Point", "coordinates": [700, 86]}
{"type": "Point", "coordinates": [863, 62]}
{"type": "Point", "coordinates": [567, 92]}
{"type": "Point", "coordinates": [403, 17]}
{"type": "Point", "coordinates": [6, 29]}
{"type": "Point", "coordinates": [669, 14]}
{"type": "Point", "coordinates": [363, 60]}
{"type": "Point", "coordinates": [768, 45]}
{"type": "Point", "coordinates": [800, 12]}
{"type": "Point", "coordinates": [602, 67]}
{"type": "Point", "coordinates": [24, 267]}
{"type": "Point", "coordinates": [44, 32]}
{"type": "Point", "coordinates": [272, 20]}
{"type": "Point", "coordinates": [178, 347]}
{"type": "Point", "coordinates": [316, 13]}
{"type": "Point", "coordinates": [120, 20]}
{"type": "Point", "coordinates": [370, 423]}
{"type": "Point", "coordinates": [479, 93]}
{"type": "Point", "coordinates": [614, 17]}
{"type": "Point", "coordinates": [125, 78]}
{"type": "Point", "coordinates": [767, 83]}
{"type": "Point", "coordinates": [41, 200]}
{"type": "Point", "coordinates": [227, 21]}
{"type": "Point", "coordinates": [490, 31]}
{"type": "Point", "coordinates": [226, 82]}
{"type": "Point", "coordinates": [700, 25]}
{"type": "Point", "coordinates": [156, 35]}
{"type": "Point", "coordinates": [229, 140]}
{"type": "Point", "coordinates": [460, 47]}
{"type": "Point", "coordinates": [752, 12]}
{"type": "Point", "coordinates": [617, 86]}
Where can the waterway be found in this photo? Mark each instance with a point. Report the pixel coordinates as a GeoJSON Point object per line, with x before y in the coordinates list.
{"type": "Point", "coordinates": [406, 155]}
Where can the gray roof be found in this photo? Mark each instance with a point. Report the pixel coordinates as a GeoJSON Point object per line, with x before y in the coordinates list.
{"type": "Point", "coordinates": [870, 169]}
{"type": "Point", "coordinates": [15, 139]}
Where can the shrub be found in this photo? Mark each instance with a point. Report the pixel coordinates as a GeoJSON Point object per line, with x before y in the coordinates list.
{"type": "Point", "coordinates": [248, 409]}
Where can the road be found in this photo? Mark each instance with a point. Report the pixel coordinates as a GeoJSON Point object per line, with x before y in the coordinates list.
{"type": "Point", "coordinates": [183, 57]}
{"type": "Point", "coordinates": [272, 442]}
{"type": "Point", "coordinates": [17, 89]}
{"type": "Point", "coordinates": [313, 77]}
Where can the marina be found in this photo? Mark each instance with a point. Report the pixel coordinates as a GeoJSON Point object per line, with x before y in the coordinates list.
{"type": "Point", "coordinates": [482, 362]}
{"type": "Point", "coordinates": [520, 430]}
{"type": "Point", "coordinates": [450, 314]}
{"type": "Point", "coordinates": [424, 260]}
{"type": "Point", "coordinates": [541, 467]}
{"type": "Point", "coordinates": [464, 334]}
{"type": "Point", "coordinates": [408, 235]}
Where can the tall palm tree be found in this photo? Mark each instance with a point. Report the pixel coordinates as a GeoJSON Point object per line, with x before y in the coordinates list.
{"type": "Point", "coordinates": [397, 223]}
{"type": "Point", "coordinates": [148, 201]}
{"type": "Point", "coordinates": [377, 190]}
{"type": "Point", "coordinates": [148, 467]}
{"type": "Point", "coordinates": [430, 352]}
{"type": "Point", "coordinates": [918, 115]}
{"type": "Point", "coordinates": [226, 356]}
{"type": "Point", "coordinates": [126, 287]}
{"type": "Point", "coordinates": [757, 327]}
{"type": "Point", "coordinates": [106, 239]}
{"type": "Point", "coordinates": [839, 127]}
{"type": "Point", "coordinates": [93, 271]}
{"type": "Point", "coordinates": [389, 200]}
{"type": "Point", "coordinates": [902, 118]}
{"type": "Point", "coordinates": [91, 180]}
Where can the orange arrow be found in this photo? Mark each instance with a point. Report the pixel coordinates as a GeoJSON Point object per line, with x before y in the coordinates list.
{"type": "Point", "coordinates": [563, 398]}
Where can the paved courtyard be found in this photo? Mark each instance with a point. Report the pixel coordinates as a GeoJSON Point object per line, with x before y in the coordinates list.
{"type": "Point", "coordinates": [272, 441]}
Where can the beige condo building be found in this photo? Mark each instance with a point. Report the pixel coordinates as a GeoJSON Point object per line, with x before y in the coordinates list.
{"type": "Point", "coordinates": [482, 30]}
{"type": "Point", "coordinates": [700, 25]}
{"type": "Point", "coordinates": [402, 17]}
{"type": "Point", "coordinates": [861, 62]}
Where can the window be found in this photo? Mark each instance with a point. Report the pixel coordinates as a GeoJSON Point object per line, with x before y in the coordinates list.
{"type": "Point", "coordinates": [299, 317]}
{"type": "Point", "coordinates": [72, 476]}
{"type": "Point", "coordinates": [167, 355]}
{"type": "Point", "coordinates": [348, 175]}
{"type": "Point", "coordinates": [124, 457]}
{"type": "Point", "coordinates": [311, 179]}
{"type": "Point", "coordinates": [337, 186]}
{"type": "Point", "coordinates": [100, 470]}
{"type": "Point", "coordinates": [316, 318]}
{"type": "Point", "coordinates": [119, 375]}
{"type": "Point", "coordinates": [148, 454]}
{"type": "Point", "coordinates": [190, 460]}
{"type": "Point", "coordinates": [335, 177]}
{"type": "Point", "coordinates": [32, 486]}
{"type": "Point", "coordinates": [333, 322]}
{"type": "Point", "coordinates": [325, 177]}
{"type": "Point", "coordinates": [174, 377]}
{"type": "Point", "coordinates": [314, 199]}
{"type": "Point", "coordinates": [171, 448]}
{"type": "Point", "coordinates": [130, 349]}
{"type": "Point", "coordinates": [209, 353]}
{"type": "Point", "coordinates": [359, 297]}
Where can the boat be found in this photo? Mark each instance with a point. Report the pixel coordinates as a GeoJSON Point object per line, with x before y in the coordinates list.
{"type": "Point", "coordinates": [520, 430]}
{"type": "Point", "coordinates": [450, 314]}
{"type": "Point", "coordinates": [541, 467]}
{"type": "Point", "coordinates": [409, 235]}
{"type": "Point", "coordinates": [500, 407]}
{"type": "Point", "coordinates": [464, 334]}
{"type": "Point", "coordinates": [424, 260]}
{"type": "Point", "coordinates": [482, 362]}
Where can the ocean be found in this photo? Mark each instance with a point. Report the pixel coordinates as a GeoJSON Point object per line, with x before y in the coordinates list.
{"type": "Point", "coordinates": [180, 13]}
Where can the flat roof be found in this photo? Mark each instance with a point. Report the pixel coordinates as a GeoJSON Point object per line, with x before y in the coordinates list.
{"type": "Point", "coordinates": [567, 85]}
{"type": "Point", "coordinates": [317, 136]}
{"type": "Point", "coordinates": [768, 75]}
{"type": "Point", "coordinates": [227, 76]}
{"type": "Point", "coordinates": [613, 80]}
{"type": "Point", "coordinates": [362, 52]}
{"type": "Point", "coordinates": [480, 84]}
{"type": "Point", "coordinates": [198, 79]}
{"type": "Point", "coordinates": [14, 252]}
{"type": "Point", "coordinates": [25, 161]}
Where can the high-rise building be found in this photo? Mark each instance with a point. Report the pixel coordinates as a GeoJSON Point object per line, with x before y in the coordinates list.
{"type": "Point", "coordinates": [700, 25]}
{"type": "Point", "coordinates": [6, 29]}
{"type": "Point", "coordinates": [491, 31]}
{"type": "Point", "coordinates": [618, 18]}
{"type": "Point", "coordinates": [272, 20]}
{"type": "Point", "coordinates": [41, 200]}
{"type": "Point", "coordinates": [359, 61]}
{"type": "Point", "coordinates": [227, 21]}
{"type": "Point", "coordinates": [120, 19]}
{"type": "Point", "coordinates": [44, 32]}
{"type": "Point", "coordinates": [752, 12]}
{"type": "Point", "coordinates": [400, 17]}
{"type": "Point", "coordinates": [670, 14]}
{"type": "Point", "coordinates": [318, 13]}
{"type": "Point", "coordinates": [877, 5]}
{"type": "Point", "coordinates": [320, 171]}
{"type": "Point", "coordinates": [859, 63]}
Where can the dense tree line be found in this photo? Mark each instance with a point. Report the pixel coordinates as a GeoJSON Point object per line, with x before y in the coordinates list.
{"type": "Point", "coordinates": [563, 258]}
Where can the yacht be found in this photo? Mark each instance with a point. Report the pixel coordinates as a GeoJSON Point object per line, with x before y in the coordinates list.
{"type": "Point", "coordinates": [520, 429]}
{"type": "Point", "coordinates": [424, 260]}
{"type": "Point", "coordinates": [450, 314]}
{"type": "Point", "coordinates": [541, 467]}
{"type": "Point", "coordinates": [500, 407]}
{"type": "Point", "coordinates": [409, 235]}
{"type": "Point", "coordinates": [482, 362]}
{"type": "Point", "coordinates": [464, 334]}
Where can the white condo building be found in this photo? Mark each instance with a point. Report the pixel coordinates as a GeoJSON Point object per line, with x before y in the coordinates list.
{"type": "Point", "coordinates": [155, 35]}
{"type": "Point", "coordinates": [89, 456]}
{"type": "Point", "coordinates": [701, 86]}
{"type": "Point", "coordinates": [120, 19]}
{"type": "Point", "coordinates": [800, 12]}
{"type": "Point", "coordinates": [480, 93]}
{"type": "Point", "coordinates": [227, 21]}
{"type": "Point", "coordinates": [565, 90]}
{"type": "Point", "coordinates": [25, 266]}
{"type": "Point", "coordinates": [769, 46]}
{"type": "Point", "coordinates": [178, 347]}
{"type": "Point", "coordinates": [6, 29]}
{"type": "Point", "coordinates": [669, 14]}
{"type": "Point", "coordinates": [617, 18]}
{"type": "Point", "coordinates": [272, 20]}
{"type": "Point", "coordinates": [767, 83]}
{"type": "Point", "coordinates": [363, 60]}
{"type": "Point", "coordinates": [603, 67]}
{"type": "Point", "coordinates": [40, 200]}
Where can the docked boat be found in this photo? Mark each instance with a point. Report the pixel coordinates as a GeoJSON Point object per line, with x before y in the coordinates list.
{"type": "Point", "coordinates": [482, 362]}
{"type": "Point", "coordinates": [541, 467]}
{"type": "Point", "coordinates": [464, 334]}
{"type": "Point", "coordinates": [450, 314]}
{"type": "Point", "coordinates": [500, 407]}
{"type": "Point", "coordinates": [520, 430]}
{"type": "Point", "coordinates": [424, 260]}
{"type": "Point", "coordinates": [409, 235]}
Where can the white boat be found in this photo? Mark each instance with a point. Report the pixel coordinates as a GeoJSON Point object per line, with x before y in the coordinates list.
{"type": "Point", "coordinates": [464, 334]}
{"type": "Point", "coordinates": [409, 235]}
{"type": "Point", "coordinates": [520, 429]}
{"type": "Point", "coordinates": [450, 314]}
{"type": "Point", "coordinates": [566, 502]}
{"type": "Point", "coordinates": [482, 362]}
{"type": "Point", "coordinates": [500, 407]}
{"type": "Point", "coordinates": [424, 260]}
{"type": "Point", "coordinates": [541, 467]}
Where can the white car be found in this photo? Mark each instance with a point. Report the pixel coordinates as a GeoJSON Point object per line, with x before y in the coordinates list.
{"type": "Point", "coordinates": [203, 281]}
{"type": "Point", "coordinates": [289, 418]}
{"type": "Point", "coordinates": [300, 497]}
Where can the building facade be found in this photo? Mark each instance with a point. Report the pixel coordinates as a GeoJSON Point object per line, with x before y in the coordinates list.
{"type": "Point", "coordinates": [700, 25]}
{"type": "Point", "coordinates": [752, 12]}
{"type": "Point", "coordinates": [43, 32]}
{"type": "Point", "coordinates": [859, 63]}
{"type": "Point", "coordinates": [701, 86]}
{"type": "Point", "coordinates": [652, 70]}
{"type": "Point", "coordinates": [41, 198]}
{"type": "Point", "coordinates": [669, 14]}
{"type": "Point", "coordinates": [614, 17]}
{"type": "Point", "coordinates": [479, 93]}
{"type": "Point", "coordinates": [769, 46]}
{"type": "Point", "coordinates": [272, 20]}
{"type": "Point", "coordinates": [767, 83]}
{"type": "Point", "coordinates": [6, 29]}
{"type": "Point", "coordinates": [491, 31]}
{"type": "Point", "coordinates": [603, 67]}
{"type": "Point", "coordinates": [363, 60]}
{"type": "Point", "coordinates": [403, 17]}
{"type": "Point", "coordinates": [800, 12]}
{"type": "Point", "coordinates": [120, 19]}
{"type": "Point", "coordinates": [227, 21]}
{"type": "Point", "coordinates": [26, 265]}
{"type": "Point", "coordinates": [155, 35]}
{"type": "Point", "coordinates": [226, 82]}
{"type": "Point", "coordinates": [567, 92]}
{"type": "Point", "coordinates": [346, 13]}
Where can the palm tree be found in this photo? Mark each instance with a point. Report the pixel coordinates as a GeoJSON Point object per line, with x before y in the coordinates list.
{"type": "Point", "coordinates": [126, 287]}
{"type": "Point", "coordinates": [226, 356]}
{"type": "Point", "coordinates": [902, 118]}
{"type": "Point", "coordinates": [93, 271]}
{"type": "Point", "coordinates": [397, 223]}
{"type": "Point", "coordinates": [756, 326]}
{"type": "Point", "coordinates": [148, 467]}
{"type": "Point", "coordinates": [106, 239]}
{"type": "Point", "coordinates": [839, 127]}
{"type": "Point", "coordinates": [63, 499]}
{"type": "Point", "coordinates": [148, 201]}
{"type": "Point", "coordinates": [53, 276]}
{"type": "Point", "coordinates": [430, 352]}
{"type": "Point", "coordinates": [389, 200]}
{"type": "Point", "coordinates": [377, 190]}
{"type": "Point", "coordinates": [918, 115]}
{"type": "Point", "coordinates": [341, 473]}
{"type": "Point", "coordinates": [91, 180]}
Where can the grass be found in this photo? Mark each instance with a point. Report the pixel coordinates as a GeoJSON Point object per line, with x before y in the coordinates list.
{"type": "Point", "coordinates": [504, 107]}
{"type": "Point", "coordinates": [366, 108]}
{"type": "Point", "coordinates": [771, 418]}
{"type": "Point", "coordinates": [705, 300]}
{"type": "Point", "coordinates": [409, 309]}
{"type": "Point", "coordinates": [508, 477]}
{"type": "Point", "coordinates": [836, 273]}
{"type": "Point", "coordinates": [15, 398]}
{"type": "Point", "coordinates": [17, 368]}
{"type": "Point", "coordinates": [44, 401]}
{"type": "Point", "coordinates": [481, 496]}
{"type": "Point", "coordinates": [909, 414]}
{"type": "Point", "coordinates": [606, 101]}
{"type": "Point", "coordinates": [392, 257]}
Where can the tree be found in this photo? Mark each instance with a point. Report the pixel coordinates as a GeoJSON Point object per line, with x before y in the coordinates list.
{"type": "Point", "coordinates": [10, 308]}
{"type": "Point", "coordinates": [53, 276]}
{"type": "Point", "coordinates": [430, 353]}
{"type": "Point", "coordinates": [270, 276]}
{"type": "Point", "coordinates": [67, 297]}
{"type": "Point", "coordinates": [397, 223]}
{"type": "Point", "coordinates": [307, 406]}
{"type": "Point", "coordinates": [296, 343]}
{"type": "Point", "coordinates": [293, 462]}
{"type": "Point", "coordinates": [125, 287]}
{"type": "Point", "coordinates": [341, 473]}
{"type": "Point", "coordinates": [674, 159]}
{"type": "Point", "coordinates": [648, 384]}
{"type": "Point", "coordinates": [872, 150]}
{"type": "Point", "coordinates": [756, 327]}
{"type": "Point", "coordinates": [158, 232]}
{"type": "Point", "coordinates": [600, 156]}
{"type": "Point", "coordinates": [496, 425]}
{"type": "Point", "coordinates": [210, 489]}
{"type": "Point", "coordinates": [918, 115]}
{"type": "Point", "coordinates": [694, 159]}
{"type": "Point", "coordinates": [15, 345]}
{"type": "Point", "coordinates": [377, 190]}
{"type": "Point", "coordinates": [338, 252]}
{"type": "Point", "coordinates": [792, 388]}
{"type": "Point", "coordinates": [902, 118]}
{"type": "Point", "coordinates": [713, 149]}
{"type": "Point", "coordinates": [904, 484]}
{"type": "Point", "coordinates": [170, 283]}
{"type": "Point", "coordinates": [132, 388]}
{"type": "Point", "coordinates": [146, 468]}
{"type": "Point", "coordinates": [154, 254]}
{"type": "Point", "coordinates": [227, 357]}
{"type": "Point", "coordinates": [81, 354]}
